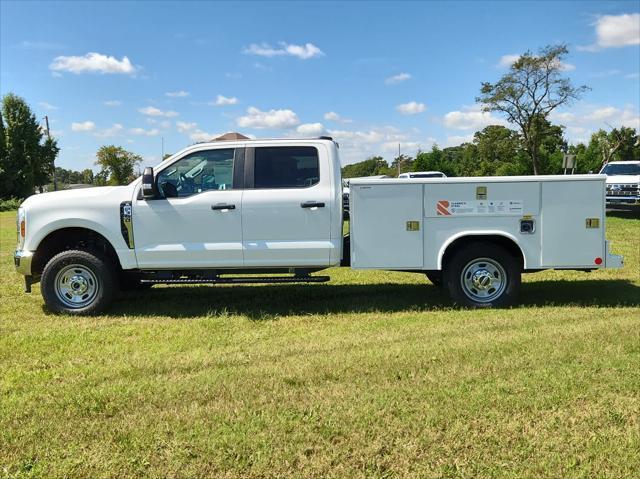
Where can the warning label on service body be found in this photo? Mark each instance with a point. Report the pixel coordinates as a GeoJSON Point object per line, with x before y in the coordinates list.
{"type": "Point", "coordinates": [479, 207]}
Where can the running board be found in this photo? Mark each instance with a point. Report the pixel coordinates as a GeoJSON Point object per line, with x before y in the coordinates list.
{"type": "Point", "coordinates": [240, 280]}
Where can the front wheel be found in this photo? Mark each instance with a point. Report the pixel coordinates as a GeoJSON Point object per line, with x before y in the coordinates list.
{"type": "Point", "coordinates": [77, 282]}
{"type": "Point", "coordinates": [483, 275]}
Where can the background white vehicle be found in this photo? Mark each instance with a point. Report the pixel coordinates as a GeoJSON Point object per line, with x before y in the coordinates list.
{"type": "Point", "coordinates": [423, 174]}
{"type": "Point", "coordinates": [234, 211]}
{"type": "Point", "coordinates": [623, 182]}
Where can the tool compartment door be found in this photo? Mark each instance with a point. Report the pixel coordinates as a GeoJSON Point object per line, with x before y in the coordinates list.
{"type": "Point", "coordinates": [566, 239]}
{"type": "Point", "coordinates": [380, 234]}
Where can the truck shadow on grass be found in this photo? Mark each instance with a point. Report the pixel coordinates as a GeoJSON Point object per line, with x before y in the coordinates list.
{"type": "Point", "coordinates": [268, 302]}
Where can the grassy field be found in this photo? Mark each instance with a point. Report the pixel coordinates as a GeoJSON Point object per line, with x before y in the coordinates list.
{"type": "Point", "coordinates": [370, 375]}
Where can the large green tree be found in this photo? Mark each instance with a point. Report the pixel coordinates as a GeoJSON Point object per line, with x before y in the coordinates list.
{"type": "Point", "coordinates": [533, 88]}
{"type": "Point", "coordinates": [26, 157]}
{"type": "Point", "coordinates": [117, 165]}
{"type": "Point", "coordinates": [375, 165]}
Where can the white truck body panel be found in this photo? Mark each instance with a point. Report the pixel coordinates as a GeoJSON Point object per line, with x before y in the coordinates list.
{"type": "Point", "coordinates": [448, 209]}
{"type": "Point", "coordinates": [281, 208]}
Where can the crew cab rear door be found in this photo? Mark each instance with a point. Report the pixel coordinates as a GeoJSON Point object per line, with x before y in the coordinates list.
{"type": "Point", "coordinates": [196, 221]}
{"type": "Point", "coordinates": [286, 206]}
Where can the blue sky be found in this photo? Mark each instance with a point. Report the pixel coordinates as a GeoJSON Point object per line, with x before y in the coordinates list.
{"type": "Point", "coordinates": [371, 74]}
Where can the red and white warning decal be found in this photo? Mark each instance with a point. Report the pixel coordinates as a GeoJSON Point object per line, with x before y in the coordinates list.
{"type": "Point", "coordinates": [479, 207]}
{"type": "Point", "coordinates": [442, 208]}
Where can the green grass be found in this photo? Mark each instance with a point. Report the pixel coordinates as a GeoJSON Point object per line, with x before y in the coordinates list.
{"type": "Point", "coordinates": [370, 375]}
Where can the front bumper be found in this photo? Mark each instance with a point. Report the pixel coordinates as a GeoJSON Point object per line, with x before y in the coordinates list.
{"type": "Point", "coordinates": [623, 200]}
{"type": "Point", "coordinates": [22, 260]}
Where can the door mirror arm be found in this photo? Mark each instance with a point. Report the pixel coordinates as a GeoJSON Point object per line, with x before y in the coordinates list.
{"type": "Point", "coordinates": [149, 189]}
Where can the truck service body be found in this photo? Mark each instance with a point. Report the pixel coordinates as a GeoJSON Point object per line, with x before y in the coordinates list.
{"type": "Point", "coordinates": [218, 210]}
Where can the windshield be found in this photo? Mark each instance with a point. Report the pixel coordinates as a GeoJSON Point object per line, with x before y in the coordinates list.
{"type": "Point", "coordinates": [622, 169]}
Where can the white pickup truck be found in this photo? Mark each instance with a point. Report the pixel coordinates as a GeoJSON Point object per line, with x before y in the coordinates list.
{"type": "Point", "coordinates": [269, 211]}
{"type": "Point", "coordinates": [623, 183]}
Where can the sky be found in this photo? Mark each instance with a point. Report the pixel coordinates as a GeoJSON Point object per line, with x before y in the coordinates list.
{"type": "Point", "coordinates": [155, 77]}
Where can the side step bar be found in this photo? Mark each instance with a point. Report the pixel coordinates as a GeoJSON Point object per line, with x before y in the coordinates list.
{"type": "Point", "coordinates": [240, 280]}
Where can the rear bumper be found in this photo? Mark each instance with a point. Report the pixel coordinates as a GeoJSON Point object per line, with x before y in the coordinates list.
{"type": "Point", "coordinates": [612, 260]}
{"type": "Point", "coordinates": [22, 260]}
{"type": "Point", "coordinates": [623, 200]}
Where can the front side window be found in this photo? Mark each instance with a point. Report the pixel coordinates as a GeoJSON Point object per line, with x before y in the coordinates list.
{"type": "Point", "coordinates": [286, 167]}
{"type": "Point", "coordinates": [197, 172]}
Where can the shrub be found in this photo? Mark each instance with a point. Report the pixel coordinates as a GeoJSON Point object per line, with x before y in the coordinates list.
{"type": "Point", "coordinates": [10, 204]}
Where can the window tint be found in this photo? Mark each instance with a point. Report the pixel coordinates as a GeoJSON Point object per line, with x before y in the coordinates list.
{"type": "Point", "coordinates": [197, 172]}
{"type": "Point", "coordinates": [286, 167]}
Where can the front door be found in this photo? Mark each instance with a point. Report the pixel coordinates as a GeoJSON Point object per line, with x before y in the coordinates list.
{"type": "Point", "coordinates": [286, 207]}
{"type": "Point", "coordinates": [196, 220]}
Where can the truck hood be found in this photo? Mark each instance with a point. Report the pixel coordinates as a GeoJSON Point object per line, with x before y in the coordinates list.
{"type": "Point", "coordinates": [635, 179]}
{"type": "Point", "coordinates": [79, 195]}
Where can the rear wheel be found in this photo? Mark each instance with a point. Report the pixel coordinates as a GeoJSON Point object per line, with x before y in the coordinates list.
{"type": "Point", "coordinates": [483, 275]}
{"type": "Point", "coordinates": [77, 282]}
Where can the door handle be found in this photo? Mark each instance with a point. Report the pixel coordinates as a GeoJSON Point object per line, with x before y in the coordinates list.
{"type": "Point", "coordinates": [223, 206]}
{"type": "Point", "coordinates": [312, 204]}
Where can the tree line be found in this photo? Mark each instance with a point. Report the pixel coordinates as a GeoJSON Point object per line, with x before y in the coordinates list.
{"type": "Point", "coordinates": [498, 151]}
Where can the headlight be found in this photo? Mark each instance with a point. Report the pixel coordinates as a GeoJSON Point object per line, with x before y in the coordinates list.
{"type": "Point", "coordinates": [21, 226]}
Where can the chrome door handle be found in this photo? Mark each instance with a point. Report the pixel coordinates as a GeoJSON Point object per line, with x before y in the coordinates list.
{"type": "Point", "coordinates": [312, 204]}
{"type": "Point", "coordinates": [223, 206]}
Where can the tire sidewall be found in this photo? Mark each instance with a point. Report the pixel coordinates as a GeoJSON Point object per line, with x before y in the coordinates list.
{"type": "Point", "coordinates": [497, 253]}
{"type": "Point", "coordinates": [101, 270]}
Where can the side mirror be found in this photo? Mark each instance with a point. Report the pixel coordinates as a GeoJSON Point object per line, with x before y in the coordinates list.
{"type": "Point", "coordinates": [148, 184]}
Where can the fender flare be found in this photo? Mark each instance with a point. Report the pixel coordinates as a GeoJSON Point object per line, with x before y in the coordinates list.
{"type": "Point", "coordinates": [463, 234]}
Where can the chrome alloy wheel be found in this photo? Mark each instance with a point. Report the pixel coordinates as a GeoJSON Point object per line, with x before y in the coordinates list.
{"type": "Point", "coordinates": [483, 280]}
{"type": "Point", "coordinates": [76, 286]}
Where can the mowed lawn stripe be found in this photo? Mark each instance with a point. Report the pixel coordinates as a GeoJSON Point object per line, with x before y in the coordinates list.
{"type": "Point", "coordinates": [371, 375]}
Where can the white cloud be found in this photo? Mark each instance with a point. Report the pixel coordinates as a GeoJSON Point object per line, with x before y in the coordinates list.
{"type": "Point", "coordinates": [222, 100]}
{"type": "Point", "coordinates": [143, 132]}
{"type": "Point", "coordinates": [114, 130]}
{"type": "Point", "coordinates": [199, 136]}
{"type": "Point", "coordinates": [112, 103]}
{"type": "Point", "coordinates": [507, 60]}
{"type": "Point", "coordinates": [333, 116]}
{"type": "Point", "coordinates": [256, 118]}
{"type": "Point", "coordinates": [411, 108]}
{"type": "Point", "coordinates": [311, 129]}
{"type": "Point", "coordinates": [184, 127]}
{"type": "Point", "coordinates": [614, 31]}
{"type": "Point", "coordinates": [471, 119]}
{"type": "Point", "coordinates": [177, 94]}
{"type": "Point", "coordinates": [83, 126]}
{"type": "Point", "coordinates": [406, 147]}
{"type": "Point", "coordinates": [153, 111]}
{"type": "Point", "coordinates": [304, 52]}
{"type": "Point", "coordinates": [399, 78]}
{"type": "Point", "coordinates": [632, 76]}
{"type": "Point", "coordinates": [585, 119]}
{"type": "Point", "coordinates": [92, 63]}
{"type": "Point", "coordinates": [47, 106]}
{"type": "Point", "coordinates": [456, 140]}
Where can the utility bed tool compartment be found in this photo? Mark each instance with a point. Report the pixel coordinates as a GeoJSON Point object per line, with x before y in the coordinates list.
{"type": "Point", "coordinates": [386, 226]}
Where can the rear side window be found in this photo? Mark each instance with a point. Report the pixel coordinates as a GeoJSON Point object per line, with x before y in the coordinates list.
{"type": "Point", "coordinates": [286, 167]}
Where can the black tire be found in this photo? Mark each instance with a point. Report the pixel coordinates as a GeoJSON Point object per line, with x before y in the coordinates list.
{"type": "Point", "coordinates": [495, 271]}
{"type": "Point", "coordinates": [131, 282]}
{"type": "Point", "coordinates": [65, 276]}
{"type": "Point", "coordinates": [435, 277]}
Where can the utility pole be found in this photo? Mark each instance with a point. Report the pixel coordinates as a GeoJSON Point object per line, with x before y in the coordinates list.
{"type": "Point", "coordinates": [162, 148]}
{"type": "Point", "coordinates": [399, 170]}
{"type": "Point", "coordinates": [55, 183]}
